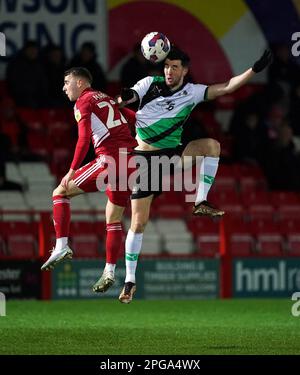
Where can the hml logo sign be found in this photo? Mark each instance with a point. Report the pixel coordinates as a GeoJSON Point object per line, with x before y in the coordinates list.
{"type": "Point", "coordinates": [266, 277]}
{"type": "Point", "coordinates": [2, 304]}
{"type": "Point", "coordinates": [2, 45]}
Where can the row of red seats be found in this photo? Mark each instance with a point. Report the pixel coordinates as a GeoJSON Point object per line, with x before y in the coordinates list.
{"type": "Point", "coordinates": [246, 245]}
{"type": "Point", "coordinates": [89, 245]}
{"type": "Point", "coordinates": [26, 246]}
{"type": "Point", "coordinates": [253, 238]}
{"type": "Point", "coordinates": [19, 239]}
{"type": "Point", "coordinates": [255, 212]}
{"type": "Point", "coordinates": [48, 130]}
{"type": "Point", "coordinates": [255, 204]}
{"type": "Point", "coordinates": [208, 226]}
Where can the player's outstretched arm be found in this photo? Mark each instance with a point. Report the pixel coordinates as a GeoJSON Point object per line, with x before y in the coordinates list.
{"type": "Point", "coordinates": [236, 82]}
{"type": "Point", "coordinates": [127, 96]}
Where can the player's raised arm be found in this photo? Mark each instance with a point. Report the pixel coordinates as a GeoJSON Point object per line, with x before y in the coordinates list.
{"type": "Point", "coordinates": [236, 82]}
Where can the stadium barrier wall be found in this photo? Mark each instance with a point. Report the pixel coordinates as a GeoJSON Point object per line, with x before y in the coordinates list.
{"type": "Point", "coordinates": [235, 277]}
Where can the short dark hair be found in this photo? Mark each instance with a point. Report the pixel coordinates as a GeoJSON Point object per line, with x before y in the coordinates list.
{"type": "Point", "coordinates": [177, 54]}
{"type": "Point", "coordinates": [80, 72]}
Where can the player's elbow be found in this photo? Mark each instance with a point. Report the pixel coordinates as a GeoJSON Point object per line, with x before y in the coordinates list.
{"type": "Point", "coordinates": [228, 88]}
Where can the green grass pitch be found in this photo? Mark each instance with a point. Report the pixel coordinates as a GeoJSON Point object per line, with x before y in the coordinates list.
{"type": "Point", "coordinates": [248, 326]}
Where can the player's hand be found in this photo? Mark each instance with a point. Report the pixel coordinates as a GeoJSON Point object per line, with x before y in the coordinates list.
{"type": "Point", "coordinates": [265, 60]}
{"type": "Point", "coordinates": [119, 101]}
{"type": "Point", "coordinates": [67, 178]}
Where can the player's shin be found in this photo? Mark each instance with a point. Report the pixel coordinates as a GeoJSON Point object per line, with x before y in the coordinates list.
{"type": "Point", "coordinates": [132, 248]}
{"type": "Point", "coordinates": [113, 245]}
{"type": "Point", "coordinates": [61, 220]}
{"type": "Point", "coordinates": [208, 171]}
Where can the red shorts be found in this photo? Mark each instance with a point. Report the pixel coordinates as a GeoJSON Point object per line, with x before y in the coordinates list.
{"type": "Point", "coordinates": [107, 172]}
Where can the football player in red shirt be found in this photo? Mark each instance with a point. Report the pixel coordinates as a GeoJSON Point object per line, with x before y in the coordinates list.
{"type": "Point", "coordinates": [99, 120]}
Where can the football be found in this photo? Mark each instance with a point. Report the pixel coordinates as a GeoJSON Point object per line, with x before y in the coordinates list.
{"type": "Point", "coordinates": [155, 47]}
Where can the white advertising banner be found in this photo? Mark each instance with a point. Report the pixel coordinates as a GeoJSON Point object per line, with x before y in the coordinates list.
{"type": "Point", "coordinates": [67, 23]}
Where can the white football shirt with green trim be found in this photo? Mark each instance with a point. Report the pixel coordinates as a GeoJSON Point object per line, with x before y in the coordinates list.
{"type": "Point", "coordinates": [162, 113]}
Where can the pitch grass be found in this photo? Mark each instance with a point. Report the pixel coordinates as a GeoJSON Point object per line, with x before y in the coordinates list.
{"type": "Point", "coordinates": [150, 327]}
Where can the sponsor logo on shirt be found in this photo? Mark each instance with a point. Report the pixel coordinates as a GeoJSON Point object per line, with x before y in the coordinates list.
{"type": "Point", "coordinates": [77, 115]}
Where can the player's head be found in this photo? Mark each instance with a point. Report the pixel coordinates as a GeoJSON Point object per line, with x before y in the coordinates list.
{"type": "Point", "coordinates": [176, 67]}
{"type": "Point", "coordinates": [75, 81]}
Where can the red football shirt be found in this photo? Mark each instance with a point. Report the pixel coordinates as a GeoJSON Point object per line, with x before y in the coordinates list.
{"type": "Point", "coordinates": [99, 119]}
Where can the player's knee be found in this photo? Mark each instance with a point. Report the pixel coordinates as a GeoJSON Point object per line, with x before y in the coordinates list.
{"type": "Point", "coordinates": [213, 148]}
{"type": "Point", "coordinates": [138, 226]}
{"type": "Point", "coordinates": [114, 217]}
{"type": "Point", "coordinates": [59, 191]}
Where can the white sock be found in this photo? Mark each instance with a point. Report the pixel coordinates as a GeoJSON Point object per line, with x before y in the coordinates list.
{"type": "Point", "coordinates": [208, 171]}
{"type": "Point", "coordinates": [109, 267]}
{"type": "Point", "coordinates": [61, 243]}
{"type": "Point", "coordinates": [133, 247]}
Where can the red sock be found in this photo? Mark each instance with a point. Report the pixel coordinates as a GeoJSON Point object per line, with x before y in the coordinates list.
{"type": "Point", "coordinates": [61, 215]}
{"type": "Point", "coordinates": [113, 242]}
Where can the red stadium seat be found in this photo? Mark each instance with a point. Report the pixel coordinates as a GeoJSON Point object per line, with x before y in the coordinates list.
{"type": "Point", "coordinates": [2, 247]}
{"type": "Point", "coordinates": [234, 211]}
{"type": "Point", "coordinates": [31, 118]}
{"type": "Point", "coordinates": [228, 197]}
{"type": "Point", "coordinates": [227, 143]}
{"type": "Point", "coordinates": [224, 184]}
{"type": "Point", "coordinates": [264, 226]}
{"type": "Point", "coordinates": [38, 144]}
{"type": "Point", "coordinates": [86, 246]}
{"type": "Point", "coordinates": [21, 238]}
{"type": "Point", "coordinates": [170, 211]}
{"type": "Point", "coordinates": [241, 240]}
{"type": "Point", "coordinates": [208, 245]}
{"type": "Point", "coordinates": [19, 227]}
{"type": "Point", "coordinates": [23, 246]}
{"type": "Point", "coordinates": [51, 115]}
{"type": "Point", "coordinates": [82, 227]}
{"type": "Point", "coordinates": [286, 212]}
{"type": "Point", "coordinates": [251, 183]}
{"type": "Point", "coordinates": [203, 225]}
{"type": "Point", "coordinates": [225, 170]}
{"type": "Point", "coordinates": [270, 244]}
{"type": "Point", "coordinates": [60, 158]}
{"type": "Point", "coordinates": [261, 211]}
{"type": "Point", "coordinates": [247, 170]}
{"type": "Point", "coordinates": [284, 198]}
{"type": "Point", "coordinates": [12, 129]}
{"type": "Point", "coordinates": [241, 244]}
{"type": "Point", "coordinates": [169, 205]}
{"type": "Point", "coordinates": [175, 197]}
{"type": "Point", "coordinates": [226, 102]}
{"type": "Point", "coordinates": [255, 197]}
{"type": "Point", "coordinates": [229, 101]}
{"type": "Point", "coordinates": [58, 132]}
{"type": "Point", "coordinates": [268, 236]}
{"type": "Point", "coordinates": [293, 244]}
{"type": "Point", "coordinates": [289, 226]}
